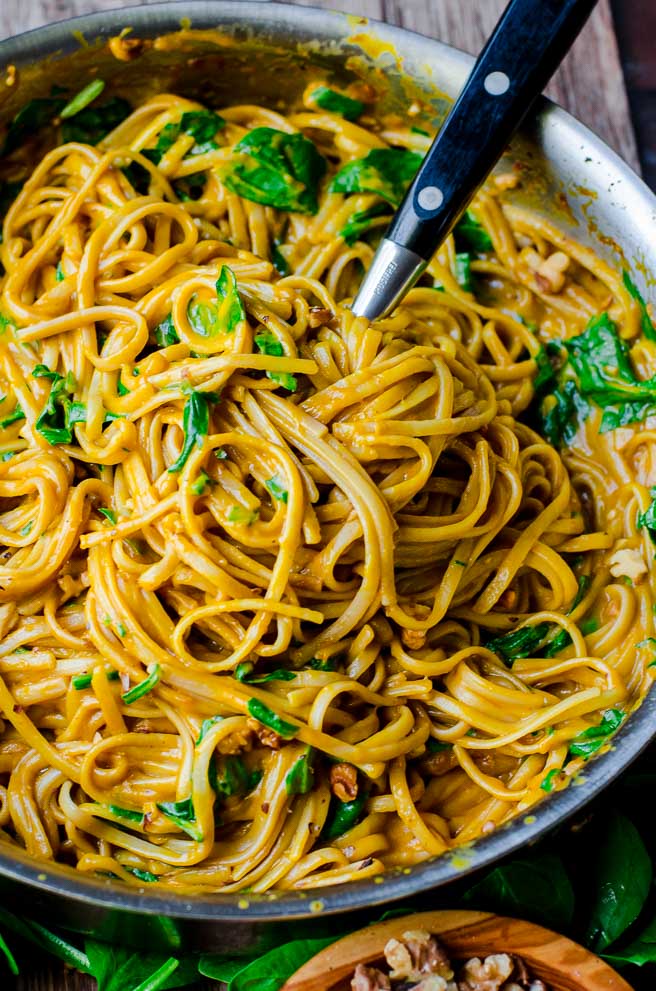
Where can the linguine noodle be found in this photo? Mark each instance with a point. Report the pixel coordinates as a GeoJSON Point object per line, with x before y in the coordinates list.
{"type": "Point", "coordinates": [260, 560]}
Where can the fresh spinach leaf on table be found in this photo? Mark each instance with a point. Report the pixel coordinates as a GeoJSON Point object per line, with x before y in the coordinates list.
{"type": "Point", "coordinates": [269, 972]}
{"type": "Point", "coordinates": [536, 888]}
{"type": "Point", "coordinates": [118, 968]}
{"type": "Point", "coordinates": [621, 880]}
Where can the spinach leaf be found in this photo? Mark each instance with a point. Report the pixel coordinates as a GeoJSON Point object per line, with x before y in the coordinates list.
{"type": "Point", "coordinates": [145, 686]}
{"type": "Point", "coordinates": [276, 489]}
{"type": "Point", "coordinates": [199, 124]}
{"type": "Point", "coordinates": [232, 777]}
{"type": "Point", "coordinates": [640, 951]}
{"type": "Point", "coordinates": [538, 889]}
{"type": "Point", "coordinates": [279, 261]}
{"type": "Point", "coordinates": [220, 968]}
{"type": "Point", "coordinates": [37, 935]}
{"type": "Point", "coordinates": [90, 126]}
{"type": "Point", "coordinates": [87, 95]}
{"type": "Point", "coordinates": [361, 221]}
{"type": "Point", "coordinates": [239, 514]}
{"type": "Point", "coordinates": [593, 739]}
{"type": "Point", "coordinates": [195, 423]}
{"type": "Point", "coordinates": [207, 725]}
{"type": "Point", "coordinates": [266, 343]}
{"type": "Point", "coordinates": [13, 417]}
{"type": "Point", "coordinates": [258, 710]}
{"type": "Point", "coordinates": [648, 519]}
{"type": "Point", "coordinates": [597, 369]}
{"type": "Point", "coordinates": [621, 881]}
{"type": "Point", "coordinates": [270, 971]}
{"type": "Point", "coordinates": [9, 957]}
{"type": "Point", "coordinates": [646, 321]}
{"type": "Point", "coordinates": [275, 168]}
{"type": "Point", "coordinates": [471, 235]}
{"type": "Point", "coordinates": [337, 103]}
{"type": "Point", "coordinates": [231, 308]}
{"type": "Point", "coordinates": [300, 777]}
{"type": "Point", "coordinates": [384, 171]}
{"type": "Point", "coordinates": [523, 642]}
{"type": "Point", "coordinates": [463, 271]}
{"type": "Point", "coordinates": [31, 118]}
{"type": "Point", "coordinates": [165, 332]}
{"type": "Point", "coordinates": [343, 816]}
{"type": "Point", "coordinates": [245, 672]}
{"type": "Point", "coordinates": [60, 412]}
{"type": "Point", "coordinates": [117, 968]}
{"type": "Point", "coordinates": [183, 815]}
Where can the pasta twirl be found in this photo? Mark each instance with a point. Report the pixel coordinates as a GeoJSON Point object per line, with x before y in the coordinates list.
{"type": "Point", "coordinates": [288, 599]}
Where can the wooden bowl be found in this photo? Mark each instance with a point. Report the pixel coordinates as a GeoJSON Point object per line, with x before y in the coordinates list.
{"type": "Point", "coordinates": [562, 964]}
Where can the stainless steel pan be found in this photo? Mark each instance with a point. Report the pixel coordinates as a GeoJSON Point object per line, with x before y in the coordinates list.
{"type": "Point", "coordinates": [270, 51]}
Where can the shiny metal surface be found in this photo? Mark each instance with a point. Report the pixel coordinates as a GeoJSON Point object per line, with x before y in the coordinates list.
{"type": "Point", "coordinates": [393, 271]}
{"type": "Point", "coordinates": [558, 158]}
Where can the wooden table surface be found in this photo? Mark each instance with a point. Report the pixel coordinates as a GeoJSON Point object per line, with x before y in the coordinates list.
{"type": "Point", "coordinates": [590, 84]}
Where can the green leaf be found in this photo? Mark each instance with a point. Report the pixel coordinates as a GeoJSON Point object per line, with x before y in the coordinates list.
{"type": "Point", "coordinates": [199, 484]}
{"type": "Point", "coordinates": [337, 103]}
{"type": "Point", "coordinates": [183, 815]}
{"type": "Point", "coordinates": [45, 939]}
{"type": "Point", "coordinates": [240, 514]}
{"type": "Point", "coordinates": [549, 780]}
{"type": "Point", "coordinates": [195, 424]}
{"type": "Point", "coordinates": [108, 514]}
{"type": "Point", "coordinates": [258, 710]}
{"type": "Point", "coordinates": [130, 814]}
{"type": "Point", "coordinates": [145, 686]}
{"type": "Point", "coordinates": [36, 114]}
{"type": "Point", "coordinates": [9, 957]}
{"type": "Point", "coordinates": [232, 777]}
{"type": "Point", "coordinates": [270, 971]}
{"type": "Point", "coordinates": [593, 739]}
{"type": "Point", "coordinates": [463, 271]}
{"type": "Point", "coordinates": [231, 309]}
{"type": "Point", "coordinates": [640, 951]}
{"type": "Point", "coordinates": [276, 489]}
{"type": "Point", "coordinates": [145, 876]}
{"type": "Point", "coordinates": [275, 168]}
{"type": "Point", "coordinates": [13, 417]}
{"type": "Point", "coordinates": [245, 672]}
{"type": "Point", "coordinates": [300, 777]}
{"type": "Point", "coordinates": [206, 725]}
{"type": "Point", "coordinates": [621, 881]}
{"type": "Point", "coordinates": [360, 222]}
{"type": "Point", "coordinates": [266, 343]}
{"type": "Point", "coordinates": [471, 235]}
{"type": "Point", "coordinates": [60, 412]}
{"type": "Point", "coordinates": [538, 889]}
{"type": "Point", "coordinates": [279, 261]}
{"type": "Point", "coordinates": [384, 171]}
{"type": "Point", "coordinates": [523, 642]}
{"type": "Point", "coordinates": [220, 968]}
{"type": "Point", "coordinates": [87, 95]}
{"type": "Point", "coordinates": [199, 124]}
{"type": "Point", "coordinates": [165, 332]}
{"type": "Point", "coordinates": [343, 816]}
{"type": "Point", "coordinates": [90, 125]}
{"type": "Point", "coordinates": [646, 322]}
{"type": "Point", "coordinates": [120, 968]}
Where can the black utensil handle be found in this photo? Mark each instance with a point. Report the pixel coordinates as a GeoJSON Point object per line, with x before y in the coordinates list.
{"type": "Point", "coordinates": [527, 45]}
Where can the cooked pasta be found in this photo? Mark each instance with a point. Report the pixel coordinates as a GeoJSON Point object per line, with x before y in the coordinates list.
{"type": "Point", "coordinates": [287, 599]}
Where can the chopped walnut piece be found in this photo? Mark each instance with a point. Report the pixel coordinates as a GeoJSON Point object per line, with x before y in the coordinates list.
{"type": "Point", "coordinates": [416, 954]}
{"type": "Point", "coordinates": [486, 975]}
{"type": "Point", "coordinates": [318, 316]}
{"type": "Point", "coordinates": [344, 782]}
{"type": "Point", "coordinates": [265, 735]}
{"type": "Point", "coordinates": [506, 180]}
{"type": "Point", "coordinates": [440, 763]}
{"type": "Point", "coordinates": [628, 562]}
{"type": "Point", "coordinates": [238, 741]}
{"type": "Point", "coordinates": [369, 979]}
{"type": "Point", "coordinates": [550, 274]}
{"type": "Point", "coordinates": [413, 639]}
{"type": "Point", "coordinates": [125, 49]}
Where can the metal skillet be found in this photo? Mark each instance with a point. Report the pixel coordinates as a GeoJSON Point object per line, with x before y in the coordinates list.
{"type": "Point", "coordinates": [276, 50]}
